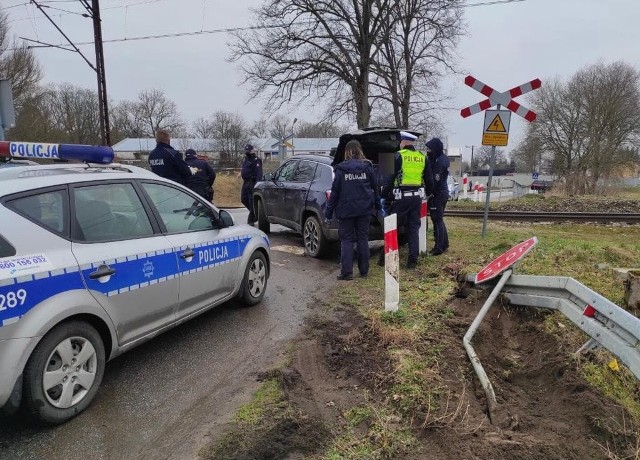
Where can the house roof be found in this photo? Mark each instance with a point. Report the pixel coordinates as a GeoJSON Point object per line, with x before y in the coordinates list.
{"type": "Point", "coordinates": [310, 144]}
{"type": "Point", "coordinates": [146, 144]}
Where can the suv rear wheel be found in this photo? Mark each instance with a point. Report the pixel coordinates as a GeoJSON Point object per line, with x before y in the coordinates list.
{"type": "Point", "coordinates": [315, 243]}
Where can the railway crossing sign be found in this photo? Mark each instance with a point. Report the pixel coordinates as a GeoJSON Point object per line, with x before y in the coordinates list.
{"type": "Point", "coordinates": [496, 127]}
{"type": "Point", "coordinates": [498, 98]}
{"type": "Point", "coordinates": [505, 260]}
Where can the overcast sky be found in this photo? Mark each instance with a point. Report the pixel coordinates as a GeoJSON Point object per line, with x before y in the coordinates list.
{"type": "Point", "coordinates": [507, 44]}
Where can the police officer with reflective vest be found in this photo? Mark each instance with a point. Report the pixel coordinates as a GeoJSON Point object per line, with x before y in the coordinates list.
{"type": "Point", "coordinates": [354, 194]}
{"type": "Point", "coordinates": [202, 177]}
{"type": "Point", "coordinates": [439, 163]}
{"type": "Point", "coordinates": [167, 162]}
{"type": "Point", "coordinates": [251, 173]}
{"type": "Point", "coordinates": [411, 182]}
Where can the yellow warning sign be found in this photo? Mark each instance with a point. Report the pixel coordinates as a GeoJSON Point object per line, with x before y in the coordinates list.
{"type": "Point", "coordinates": [496, 126]}
{"type": "Point", "coordinates": [497, 139]}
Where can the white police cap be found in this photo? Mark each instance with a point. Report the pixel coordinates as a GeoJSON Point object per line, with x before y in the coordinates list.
{"type": "Point", "coordinates": [405, 136]}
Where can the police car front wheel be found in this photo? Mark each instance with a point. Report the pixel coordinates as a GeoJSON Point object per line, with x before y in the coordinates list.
{"type": "Point", "coordinates": [64, 372]}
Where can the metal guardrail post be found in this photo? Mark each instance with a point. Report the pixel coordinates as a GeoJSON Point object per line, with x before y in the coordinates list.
{"type": "Point", "coordinates": [473, 357]}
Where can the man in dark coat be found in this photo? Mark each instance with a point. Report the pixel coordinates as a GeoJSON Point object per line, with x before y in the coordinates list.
{"type": "Point", "coordinates": [440, 163]}
{"type": "Point", "coordinates": [167, 162]}
{"type": "Point", "coordinates": [251, 173]}
{"type": "Point", "coordinates": [202, 177]}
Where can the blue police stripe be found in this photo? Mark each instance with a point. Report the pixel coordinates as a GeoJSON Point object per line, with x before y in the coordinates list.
{"type": "Point", "coordinates": [36, 288]}
{"type": "Point", "coordinates": [132, 273]}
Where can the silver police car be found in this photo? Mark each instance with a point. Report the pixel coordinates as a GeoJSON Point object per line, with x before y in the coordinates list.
{"type": "Point", "coordinates": [98, 258]}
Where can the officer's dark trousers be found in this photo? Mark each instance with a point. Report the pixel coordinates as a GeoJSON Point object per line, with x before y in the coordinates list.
{"type": "Point", "coordinates": [354, 229]}
{"type": "Point", "coordinates": [408, 211]}
{"type": "Point", "coordinates": [437, 204]}
{"type": "Point", "coordinates": [246, 197]}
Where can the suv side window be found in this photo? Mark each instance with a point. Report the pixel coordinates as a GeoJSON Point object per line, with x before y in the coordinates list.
{"type": "Point", "coordinates": [286, 171]}
{"type": "Point", "coordinates": [47, 209]}
{"type": "Point", "coordinates": [109, 212]}
{"type": "Point", "coordinates": [324, 175]}
{"type": "Point", "coordinates": [179, 211]}
{"type": "Point", "coordinates": [304, 172]}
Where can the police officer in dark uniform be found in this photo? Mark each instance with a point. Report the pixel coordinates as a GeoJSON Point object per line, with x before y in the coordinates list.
{"type": "Point", "coordinates": [440, 166]}
{"type": "Point", "coordinates": [251, 173]}
{"type": "Point", "coordinates": [354, 194]}
{"type": "Point", "coordinates": [202, 177]}
{"type": "Point", "coordinates": [411, 182]}
{"type": "Point", "coordinates": [167, 162]}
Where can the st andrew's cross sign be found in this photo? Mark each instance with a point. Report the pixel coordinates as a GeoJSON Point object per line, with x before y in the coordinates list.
{"type": "Point", "coordinates": [497, 98]}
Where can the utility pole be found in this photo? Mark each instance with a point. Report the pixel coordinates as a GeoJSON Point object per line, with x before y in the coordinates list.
{"type": "Point", "coordinates": [93, 11]}
{"type": "Point", "coordinates": [105, 129]}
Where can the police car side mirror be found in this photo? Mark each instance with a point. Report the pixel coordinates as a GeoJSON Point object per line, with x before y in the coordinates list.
{"type": "Point", "coordinates": [268, 176]}
{"type": "Point", "coordinates": [226, 218]}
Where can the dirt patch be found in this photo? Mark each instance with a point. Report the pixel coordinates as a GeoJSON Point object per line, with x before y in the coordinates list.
{"type": "Point", "coordinates": [545, 408]}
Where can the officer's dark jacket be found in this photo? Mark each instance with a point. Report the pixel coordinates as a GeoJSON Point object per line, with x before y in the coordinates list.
{"type": "Point", "coordinates": [427, 176]}
{"type": "Point", "coordinates": [202, 176]}
{"type": "Point", "coordinates": [354, 191]}
{"type": "Point", "coordinates": [166, 162]}
{"type": "Point", "coordinates": [251, 168]}
{"type": "Point", "coordinates": [439, 166]}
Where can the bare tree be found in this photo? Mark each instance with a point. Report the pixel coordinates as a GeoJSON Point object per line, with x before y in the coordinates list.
{"type": "Point", "coordinates": [259, 128]}
{"type": "Point", "coordinates": [203, 128]}
{"type": "Point", "coordinates": [528, 155]}
{"type": "Point", "coordinates": [74, 111]}
{"type": "Point", "coordinates": [422, 35]}
{"type": "Point", "coordinates": [124, 121]}
{"type": "Point", "coordinates": [311, 48]}
{"type": "Point", "coordinates": [19, 64]}
{"type": "Point", "coordinates": [153, 111]}
{"type": "Point", "coordinates": [589, 124]}
{"type": "Point", "coordinates": [319, 129]}
{"type": "Point", "coordinates": [483, 157]}
{"type": "Point", "coordinates": [230, 132]}
{"type": "Point", "coordinates": [280, 126]}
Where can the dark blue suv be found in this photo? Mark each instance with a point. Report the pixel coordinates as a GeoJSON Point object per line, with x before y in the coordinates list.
{"type": "Point", "coordinates": [296, 194]}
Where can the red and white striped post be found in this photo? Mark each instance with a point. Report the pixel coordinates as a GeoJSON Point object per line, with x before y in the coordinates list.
{"type": "Point", "coordinates": [391, 264]}
{"type": "Point", "coordinates": [424, 226]}
{"type": "Point", "coordinates": [465, 186]}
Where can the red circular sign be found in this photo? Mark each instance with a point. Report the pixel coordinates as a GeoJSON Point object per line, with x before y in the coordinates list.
{"type": "Point", "coordinates": [505, 260]}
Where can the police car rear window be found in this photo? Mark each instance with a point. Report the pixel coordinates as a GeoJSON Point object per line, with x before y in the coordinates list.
{"type": "Point", "coordinates": [6, 250]}
{"type": "Point", "coordinates": [47, 209]}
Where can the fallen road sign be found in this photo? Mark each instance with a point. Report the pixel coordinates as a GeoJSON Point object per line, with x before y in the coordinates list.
{"type": "Point", "coordinates": [505, 260]}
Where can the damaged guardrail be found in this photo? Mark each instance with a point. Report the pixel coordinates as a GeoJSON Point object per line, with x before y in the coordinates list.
{"type": "Point", "coordinates": [608, 325]}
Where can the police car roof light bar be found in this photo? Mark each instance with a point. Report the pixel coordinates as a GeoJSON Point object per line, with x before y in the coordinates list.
{"type": "Point", "coordinates": [34, 150]}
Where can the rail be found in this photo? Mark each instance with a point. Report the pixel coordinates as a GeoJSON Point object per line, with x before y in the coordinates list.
{"type": "Point", "coordinates": [528, 216]}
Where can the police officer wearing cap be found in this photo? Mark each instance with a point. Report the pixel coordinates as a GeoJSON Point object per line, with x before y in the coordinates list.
{"type": "Point", "coordinates": [167, 162]}
{"type": "Point", "coordinates": [251, 173]}
{"type": "Point", "coordinates": [354, 194]}
{"type": "Point", "coordinates": [411, 182]}
{"type": "Point", "coordinates": [202, 177]}
{"type": "Point", "coordinates": [440, 166]}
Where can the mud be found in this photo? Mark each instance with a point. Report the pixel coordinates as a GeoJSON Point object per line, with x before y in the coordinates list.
{"type": "Point", "coordinates": [545, 408]}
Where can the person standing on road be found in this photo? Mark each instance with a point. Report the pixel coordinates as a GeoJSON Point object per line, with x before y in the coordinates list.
{"type": "Point", "coordinates": [411, 182]}
{"type": "Point", "coordinates": [202, 175]}
{"type": "Point", "coordinates": [167, 162]}
{"type": "Point", "coordinates": [440, 166]}
{"type": "Point", "coordinates": [354, 194]}
{"type": "Point", "coordinates": [251, 173]}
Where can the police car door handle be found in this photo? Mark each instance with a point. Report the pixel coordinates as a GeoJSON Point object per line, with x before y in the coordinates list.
{"type": "Point", "coordinates": [103, 270]}
{"type": "Point", "coordinates": [187, 253]}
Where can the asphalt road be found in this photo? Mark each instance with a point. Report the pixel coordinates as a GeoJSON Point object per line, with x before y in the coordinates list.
{"type": "Point", "coordinates": [162, 398]}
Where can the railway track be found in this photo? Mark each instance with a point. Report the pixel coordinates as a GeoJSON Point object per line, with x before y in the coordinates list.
{"type": "Point", "coordinates": [528, 216]}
